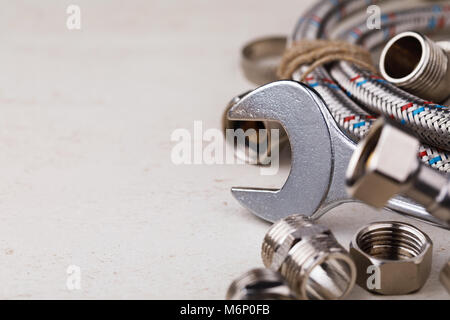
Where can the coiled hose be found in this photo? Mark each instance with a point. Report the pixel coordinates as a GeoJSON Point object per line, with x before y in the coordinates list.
{"type": "Point", "coordinates": [355, 96]}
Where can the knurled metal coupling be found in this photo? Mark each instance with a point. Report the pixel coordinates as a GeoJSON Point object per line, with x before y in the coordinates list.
{"type": "Point", "coordinates": [309, 257]}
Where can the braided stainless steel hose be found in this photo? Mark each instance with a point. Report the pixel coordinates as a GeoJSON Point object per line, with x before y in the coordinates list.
{"type": "Point", "coordinates": [355, 96]}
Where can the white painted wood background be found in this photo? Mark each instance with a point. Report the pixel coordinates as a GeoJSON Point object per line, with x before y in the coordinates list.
{"type": "Point", "coordinates": [86, 176]}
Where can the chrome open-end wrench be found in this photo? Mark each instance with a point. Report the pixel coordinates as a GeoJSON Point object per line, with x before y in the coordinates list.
{"type": "Point", "coordinates": [319, 160]}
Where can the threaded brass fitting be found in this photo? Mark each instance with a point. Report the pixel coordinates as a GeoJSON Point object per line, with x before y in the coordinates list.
{"type": "Point", "coordinates": [415, 63]}
{"type": "Point", "coordinates": [313, 263]}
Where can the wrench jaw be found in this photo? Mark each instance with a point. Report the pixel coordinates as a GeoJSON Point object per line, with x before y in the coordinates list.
{"type": "Point", "coordinates": [320, 156]}
{"type": "Point", "coordinates": [256, 200]}
{"type": "Point", "coordinates": [300, 111]}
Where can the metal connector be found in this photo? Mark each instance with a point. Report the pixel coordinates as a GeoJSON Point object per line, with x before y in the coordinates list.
{"type": "Point", "coordinates": [385, 164]}
{"type": "Point", "coordinates": [308, 256]}
{"type": "Point", "coordinates": [260, 59]}
{"type": "Point", "coordinates": [415, 63]}
{"type": "Point", "coordinates": [391, 257]}
{"type": "Point", "coordinates": [259, 284]}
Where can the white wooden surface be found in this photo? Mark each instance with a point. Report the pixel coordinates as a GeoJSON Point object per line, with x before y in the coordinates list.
{"type": "Point", "coordinates": [86, 176]}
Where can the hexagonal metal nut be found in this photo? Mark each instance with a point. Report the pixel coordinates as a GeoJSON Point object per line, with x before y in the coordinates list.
{"type": "Point", "coordinates": [391, 258]}
{"type": "Point", "coordinates": [382, 164]}
{"type": "Point", "coordinates": [283, 235]}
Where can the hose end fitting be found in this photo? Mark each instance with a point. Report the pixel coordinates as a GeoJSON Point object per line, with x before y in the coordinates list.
{"type": "Point", "coordinates": [374, 174]}
{"type": "Point", "coordinates": [417, 64]}
{"type": "Point", "coordinates": [385, 164]}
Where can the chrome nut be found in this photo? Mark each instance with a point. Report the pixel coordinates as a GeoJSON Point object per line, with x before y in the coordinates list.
{"type": "Point", "coordinates": [308, 256]}
{"type": "Point", "coordinates": [259, 284]}
{"type": "Point", "coordinates": [385, 163]}
{"type": "Point", "coordinates": [445, 276]}
{"type": "Point", "coordinates": [374, 165]}
{"type": "Point", "coordinates": [391, 258]}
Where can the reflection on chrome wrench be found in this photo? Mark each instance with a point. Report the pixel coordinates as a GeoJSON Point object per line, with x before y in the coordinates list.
{"type": "Point", "coordinates": [320, 155]}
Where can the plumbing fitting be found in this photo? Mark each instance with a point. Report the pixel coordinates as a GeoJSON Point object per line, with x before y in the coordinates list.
{"type": "Point", "coordinates": [259, 284]}
{"type": "Point", "coordinates": [308, 256]}
{"type": "Point", "coordinates": [385, 163]}
{"type": "Point", "coordinates": [258, 144]}
{"type": "Point", "coordinates": [415, 63]}
{"type": "Point", "coordinates": [260, 59]}
{"type": "Point", "coordinates": [391, 257]}
{"type": "Point", "coordinates": [445, 276]}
